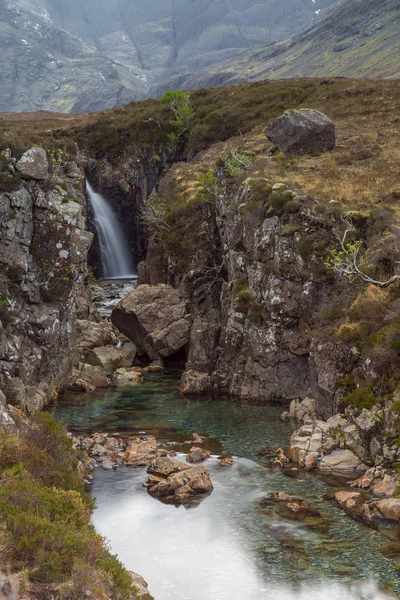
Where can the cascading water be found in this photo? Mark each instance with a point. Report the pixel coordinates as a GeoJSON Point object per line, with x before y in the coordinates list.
{"type": "Point", "coordinates": [116, 259]}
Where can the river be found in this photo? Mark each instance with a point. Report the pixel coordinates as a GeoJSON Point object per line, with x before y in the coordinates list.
{"type": "Point", "coordinates": [228, 546]}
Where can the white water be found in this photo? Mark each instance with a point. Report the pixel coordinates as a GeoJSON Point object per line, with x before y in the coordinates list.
{"type": "Point", "coordinates": [115, 256]}
{"type": "Point", "coordinates": [204, 552]}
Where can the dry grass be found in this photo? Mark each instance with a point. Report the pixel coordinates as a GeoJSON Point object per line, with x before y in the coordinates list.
{"type": "Point", "coordinates": [361, 171]}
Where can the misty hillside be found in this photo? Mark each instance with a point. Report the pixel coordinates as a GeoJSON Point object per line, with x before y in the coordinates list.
{"type": "Point", "coordinates": [352, 38]}
{"type": "Point", "coordinates": [72, 56]}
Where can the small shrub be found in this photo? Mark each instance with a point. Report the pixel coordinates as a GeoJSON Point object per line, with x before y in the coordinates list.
{"type": "Point", "coordinates": [360, 398]}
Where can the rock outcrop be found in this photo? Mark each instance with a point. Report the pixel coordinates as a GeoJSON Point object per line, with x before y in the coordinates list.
{"type": "Point", "coordinates": [43, 285]}
{"type": "Point", "coordinates": [155, 318]}
{"type": "Point", "coordinates": [302, 131]}
{"type": "Point", "coordinates": [174, 482]}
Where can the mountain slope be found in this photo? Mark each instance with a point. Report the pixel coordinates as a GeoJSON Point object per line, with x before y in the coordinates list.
{"type": "Point", "coordinates": [351, 38]}
{"type": "Point", "coordinates": [78, 56]}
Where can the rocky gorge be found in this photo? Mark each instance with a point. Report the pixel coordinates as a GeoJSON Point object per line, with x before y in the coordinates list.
{"type": "Point", "coordinates": [234, 286]}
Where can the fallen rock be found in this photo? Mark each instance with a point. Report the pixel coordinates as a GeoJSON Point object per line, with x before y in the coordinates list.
{"type": "Point", "coordinates": [194, 382]}
{"type": "Point", "coordinates": [140, 451]}
{"type": "Point", "coordinates": [388, 508]}
{"type": "Point", "coordinates": [88, 378]}
{"type": "Point", "coordinates": [154, 367]}
{"type": "Point", "coordinates": [129, 375]}
{"type": "Point", "coordinates": [128, 353]}
{"type": "Point", "coordinates": [197, 455]}
{"type": "Point", "coordinates": [155, 319]}
{"type": "Point", "coordinates": [303, 410]}
{"type": "Point", "coordinates": [342, 460]}
{"type": "Point", "coordinates": [182, 486]}
{"type": "Point", "coordinates": [93, 335]}
{"type": "Point", "coordinates": [302, 131]}
{"type": "Point", "coordinates": [107, 357]}
{"type": "Point", "coordinates": [33, 164]}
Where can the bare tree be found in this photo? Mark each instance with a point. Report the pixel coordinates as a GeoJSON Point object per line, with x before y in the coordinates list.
{"type": "Point", "coordinates": [347, 262]}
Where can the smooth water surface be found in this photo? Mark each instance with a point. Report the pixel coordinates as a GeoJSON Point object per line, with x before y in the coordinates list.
{"type": "Point", "coordinates": [228, 546]}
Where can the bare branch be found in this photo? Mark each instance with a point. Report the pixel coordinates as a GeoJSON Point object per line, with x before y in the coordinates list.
{"type": "Point", "coordinates": [346, 261]}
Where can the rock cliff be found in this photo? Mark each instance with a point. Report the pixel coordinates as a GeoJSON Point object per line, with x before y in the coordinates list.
{"type": "Point", "coordinates": [43, 265]}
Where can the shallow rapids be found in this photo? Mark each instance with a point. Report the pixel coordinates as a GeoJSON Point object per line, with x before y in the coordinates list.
{"type": "Point", "coordinates": [228, 546]}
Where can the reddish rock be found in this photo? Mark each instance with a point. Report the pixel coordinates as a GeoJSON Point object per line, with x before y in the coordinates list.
{"type": "Point", "coordinates": [140, 451]}
{"type": "Point", "coordinates": [197, 455]}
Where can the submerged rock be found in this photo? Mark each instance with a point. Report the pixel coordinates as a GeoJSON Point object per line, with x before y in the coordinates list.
{"type": "Point", "coordinates": [276, 497]}
{"type": "Point", "coordinates": [302, 131]}
{"type": "Point", "coordinates": [347, 499]}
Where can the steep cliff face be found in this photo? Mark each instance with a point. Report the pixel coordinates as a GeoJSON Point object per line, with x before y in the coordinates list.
{"type": "Point", "coordinates": [269, 321]}
{"type": "Point", "coordinates": [43, 285]}
{"type": "Point", "coordinates": [257, 292]}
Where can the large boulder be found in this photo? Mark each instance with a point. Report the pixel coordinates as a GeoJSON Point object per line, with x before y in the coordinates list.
{"type": "Point", "coordinates": [33, 164]}
{"type": "Point", "coordinates": [89, 377]}
{"type": "Point", "coordinates": [155, 318]}
{"type": "Point", "coordinates": [302, 131]}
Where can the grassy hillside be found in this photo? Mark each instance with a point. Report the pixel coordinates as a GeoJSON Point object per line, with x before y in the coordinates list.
{"type": "Point", "coordinates": [363, 169]}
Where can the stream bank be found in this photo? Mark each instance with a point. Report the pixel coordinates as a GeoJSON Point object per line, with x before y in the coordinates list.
{"type": "Point", "coordinates": [228, 543]}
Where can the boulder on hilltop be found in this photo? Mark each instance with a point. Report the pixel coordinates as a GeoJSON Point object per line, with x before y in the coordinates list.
{"type": "Point", "coordinates": [302, 131]}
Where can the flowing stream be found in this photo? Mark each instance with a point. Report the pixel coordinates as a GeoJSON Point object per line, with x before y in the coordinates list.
{"type": "Point", "coordinates": [115, 255]}
{"type": "Point", "coordinates": [228, 546]}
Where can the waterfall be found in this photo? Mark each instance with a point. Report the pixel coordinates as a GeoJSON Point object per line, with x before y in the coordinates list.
{"type": "Point", "coordinates": [116, 259]}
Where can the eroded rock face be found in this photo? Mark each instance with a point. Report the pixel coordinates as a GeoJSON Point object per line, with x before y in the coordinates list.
{"type": "Point", "coordinates": [155, 318]}
{"type": "Point", "coordinates": [43, 250]}
{"type": "Point", "coordinates": [302, 131]}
